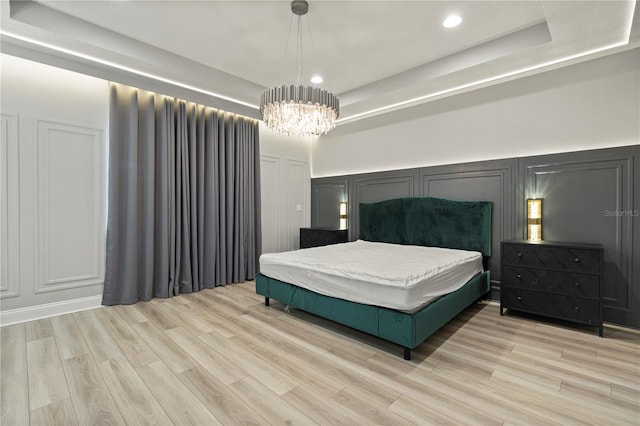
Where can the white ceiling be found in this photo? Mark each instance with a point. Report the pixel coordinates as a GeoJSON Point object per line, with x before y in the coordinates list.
{"type": "Point", "coordinates": [376, 55]}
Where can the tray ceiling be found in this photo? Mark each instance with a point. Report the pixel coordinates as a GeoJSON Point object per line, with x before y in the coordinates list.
{"type": "Point", "coordinates": [378, 56]}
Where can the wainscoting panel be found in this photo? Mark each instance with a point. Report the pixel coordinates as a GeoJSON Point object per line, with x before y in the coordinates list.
{"type": "Point", "coordinates": [326, 195]}
{"type": "Point", "coordinates": [70, 206]}
{"type": "Point", "coordinates": [285, 201]}
{"type": "Point", "coordinates": [483, 181]}
{"type": "Point", "coordinates": [297, 201]}
{"type": "Point", "coordinates": [271, 202]}
{"type": "Point", "coordinates": [9, 213]}
{"type": "Point", "coordinates": [374, 187]}
{"type": "Point", "coordinates": [53, 183]}
{"type": "Point", "coordinates": [588, 197]}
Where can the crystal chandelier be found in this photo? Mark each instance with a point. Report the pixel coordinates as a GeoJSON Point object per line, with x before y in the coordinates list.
{"type": "Point", "coordinates": [295, 109]}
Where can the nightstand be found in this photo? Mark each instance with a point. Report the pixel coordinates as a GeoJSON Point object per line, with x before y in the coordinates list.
{"type": "Point", "coordinates": [553, 279]}
{"type": "Point", "coordinates": [315, 237]}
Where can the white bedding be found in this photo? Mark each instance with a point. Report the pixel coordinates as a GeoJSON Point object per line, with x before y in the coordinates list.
{"type": "Point", "coordinates": [390, 275]}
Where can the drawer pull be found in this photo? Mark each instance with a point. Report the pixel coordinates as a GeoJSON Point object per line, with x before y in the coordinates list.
{"type": "Point", "coordinates": [519, 276]}
{"type": "Point", "coordinates": [576, 308]}
{"type": "Point", "coordinates": [519, 297]}
{"type": "Point", "coordinates": [577, 285]}
{"type": "Point", "coordinates": [577, 260]}
{"type": "Point", "coordinates": [519, 254]}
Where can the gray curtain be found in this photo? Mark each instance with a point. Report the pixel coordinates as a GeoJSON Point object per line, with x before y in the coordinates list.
{"type": "Point", "coordinates": [184, 197]}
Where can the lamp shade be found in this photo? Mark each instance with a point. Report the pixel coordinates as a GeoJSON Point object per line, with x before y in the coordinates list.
{"type": "Point", "coordinates": [343, 215]}
{"type": "Point", "coordinates": [534, 219]}
{"type": "Point", "coordinates": [299, 110]}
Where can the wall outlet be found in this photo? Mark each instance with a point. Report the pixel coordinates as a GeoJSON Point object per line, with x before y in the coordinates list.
{"type": "Point", "coordinates": [298, 207]}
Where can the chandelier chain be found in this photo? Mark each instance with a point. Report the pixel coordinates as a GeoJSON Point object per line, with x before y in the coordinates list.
{"type": "Point", "coordinates": [299, 49]}
{"type": "Point", "coordinates": [313, 47]}
{"type": "Point", "coordinates": [286, 50]}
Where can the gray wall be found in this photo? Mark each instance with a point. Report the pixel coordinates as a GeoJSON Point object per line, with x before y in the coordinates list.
{"type": "Point", "coordinates": [589, 196]}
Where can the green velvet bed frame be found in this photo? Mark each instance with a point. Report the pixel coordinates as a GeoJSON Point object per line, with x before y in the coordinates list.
{"type": "Point", "coordinates": [428, 221]}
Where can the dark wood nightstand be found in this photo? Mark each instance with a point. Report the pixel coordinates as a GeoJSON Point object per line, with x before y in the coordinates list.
{"type": "Point", "coordinates": [557, 280]}
{"type": "Point", "coordinates": [315, 237]}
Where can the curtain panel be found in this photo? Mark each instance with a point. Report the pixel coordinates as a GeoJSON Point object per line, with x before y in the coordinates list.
{"type": "Point", "coordinates": [184, 197]}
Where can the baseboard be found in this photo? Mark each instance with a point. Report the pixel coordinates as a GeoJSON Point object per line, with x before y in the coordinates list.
{"type": "Point", "coordinates": [622, 327]}
{"type": "Point", "coordinates": [47, 310]}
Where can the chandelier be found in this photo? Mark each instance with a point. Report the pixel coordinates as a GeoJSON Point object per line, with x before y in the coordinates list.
{"type": "Point", "coordinates": [296, 109]}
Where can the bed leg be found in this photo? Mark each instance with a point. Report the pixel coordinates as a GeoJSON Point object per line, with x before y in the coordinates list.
{"type": "Point", "coordinates": [266, 301]}
{"type": "Point", "coordinates": [407, 354]}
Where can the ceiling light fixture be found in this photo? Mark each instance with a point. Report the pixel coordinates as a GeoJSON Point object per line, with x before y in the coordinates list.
{"type": "Point", "coordinates": [452, 21]}
{"type": "Point", "coordinates": [295, 109]}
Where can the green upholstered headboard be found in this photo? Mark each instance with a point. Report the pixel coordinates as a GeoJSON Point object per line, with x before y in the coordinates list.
{"type": "Point", "coordinates": [436, 222]}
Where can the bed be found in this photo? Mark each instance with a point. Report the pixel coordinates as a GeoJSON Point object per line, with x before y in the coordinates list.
{"type": "Point", "coordinates": [424, 222]}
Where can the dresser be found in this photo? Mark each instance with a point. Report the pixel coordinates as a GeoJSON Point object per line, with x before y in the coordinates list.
{"type": "Point", "coordinates": [553, 279]}
{"type": "Point", "coordinates": [314, 237]}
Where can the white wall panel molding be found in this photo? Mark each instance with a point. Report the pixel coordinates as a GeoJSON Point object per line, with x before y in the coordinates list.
{"type": "Point", "coordinates": [283, 159]}
{"type": "Point", "coordinates": [70, 206]}
{"type": "Point", "coordinates": [271, 196]}
{"type": "Point", "coordinates": [9, 207]}
{"type": "Point", "coordinates": [52, 190]}
{"type": "Point", "coordinates": [297, 202]}
{"type": "Point", "coordinates": [31, 313]}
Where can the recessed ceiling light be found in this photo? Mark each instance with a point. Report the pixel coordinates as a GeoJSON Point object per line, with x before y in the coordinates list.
{"type": "Point", "coordinates": [316, 79]}
{"type": "Point", "coordinates": [452, 21]}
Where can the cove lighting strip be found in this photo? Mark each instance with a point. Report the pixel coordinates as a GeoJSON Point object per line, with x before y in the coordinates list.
{"type": "Point", "coordinates": [343, 119]}
{"type": "Point", "coordinates": [500, 76]}
{"type": "Point", "coordinates": [123, 68]}
{"type": "Point", "coordinates": [476, 83]}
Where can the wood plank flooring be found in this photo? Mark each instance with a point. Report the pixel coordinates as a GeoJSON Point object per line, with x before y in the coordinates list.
{"type": "Point", "coordinates": [221, 357]}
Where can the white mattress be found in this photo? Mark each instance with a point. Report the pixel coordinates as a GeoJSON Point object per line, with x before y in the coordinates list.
{"type": "Point", "coordinates": [390, 275]}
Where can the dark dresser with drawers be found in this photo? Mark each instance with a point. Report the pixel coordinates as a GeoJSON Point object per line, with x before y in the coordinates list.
{"type": "Point", "coordinates": [315, 237]}
{"type": "Point", "coordinates": [553, 279]}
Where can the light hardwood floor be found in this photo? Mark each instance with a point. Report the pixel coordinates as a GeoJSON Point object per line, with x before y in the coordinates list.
{"type": "Point", "coordinates": [221, 357]}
